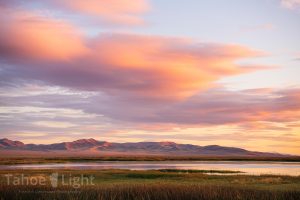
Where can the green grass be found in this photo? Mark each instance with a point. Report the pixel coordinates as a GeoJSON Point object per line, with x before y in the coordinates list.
{"type": "Point", "coordinates": [109, 176]}
{"type": "Point", "coordinates": [200, 171]}
{"type": "Point", "coordinates": [155, 184]}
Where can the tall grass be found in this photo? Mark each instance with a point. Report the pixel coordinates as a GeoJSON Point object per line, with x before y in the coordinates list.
{"type": "Point", "coordinates": [144, 192]}
{"type": "Point", "coordinates": [116, 184]}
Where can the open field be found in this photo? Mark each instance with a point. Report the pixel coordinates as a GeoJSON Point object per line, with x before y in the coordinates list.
{"type": "Point", "coordinates": [153, 184]}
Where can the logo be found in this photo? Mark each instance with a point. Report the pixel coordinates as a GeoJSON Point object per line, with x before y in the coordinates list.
{"type": "Point", "coordinates": [54, 179]}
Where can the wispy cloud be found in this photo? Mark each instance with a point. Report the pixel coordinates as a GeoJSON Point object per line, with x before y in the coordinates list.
{"type": "Point", "coordinates": [116, 11]}
{"type": "Point", "coordinates": [266, 26]}
{"type": "Point", "coordinates": [291, 4]}
{"type": "Point", "coordinates": [54, 124]}
{"type": "Point", "coordinates": [121, 12]}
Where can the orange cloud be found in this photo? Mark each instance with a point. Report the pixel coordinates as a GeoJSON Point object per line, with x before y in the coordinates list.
{"type": "Point", "coordinates": [143, 66]}
{"type": "Point", "coordinates": [167, 66]}
{"type": "Point", "coordinates": [30, 36]}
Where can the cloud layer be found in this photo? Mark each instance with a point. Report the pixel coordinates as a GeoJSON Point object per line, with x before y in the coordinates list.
{"type": "Point", "coordinates": [58, 80]}
{"type": "Point", "coordinates": [140, 78]}
{"type": "Point", "coordinates": [137, 65]}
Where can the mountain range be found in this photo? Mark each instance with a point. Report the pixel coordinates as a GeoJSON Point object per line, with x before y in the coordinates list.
{"type": "Point", "coordinates": [95, 147]}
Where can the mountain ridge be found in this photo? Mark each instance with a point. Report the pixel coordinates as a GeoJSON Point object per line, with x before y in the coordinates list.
{"type": "Point", "coordinates": [161, 148]}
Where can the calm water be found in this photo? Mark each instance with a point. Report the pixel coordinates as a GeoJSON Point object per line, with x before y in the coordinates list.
{"type": "Point", "coordinates": [254, 168]}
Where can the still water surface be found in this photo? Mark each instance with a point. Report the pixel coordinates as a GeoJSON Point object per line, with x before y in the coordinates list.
{"type": "Point", "coordinates": [249, 167]}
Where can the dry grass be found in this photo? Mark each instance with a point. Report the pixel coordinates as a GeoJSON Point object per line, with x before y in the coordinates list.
{"type": "Point", "coordinates": [145, 192]}
{"type": "Point", "coordinates": [155, 184]}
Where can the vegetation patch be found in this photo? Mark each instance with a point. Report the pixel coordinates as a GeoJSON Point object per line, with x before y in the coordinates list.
{"type": "Point", "coordinates": [200, 171]}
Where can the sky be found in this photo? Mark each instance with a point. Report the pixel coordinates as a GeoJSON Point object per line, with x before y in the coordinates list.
{"type": "Point", "coordinates": [198, 72]}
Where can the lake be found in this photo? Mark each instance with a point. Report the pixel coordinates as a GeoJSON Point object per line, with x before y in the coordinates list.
{"type": "Point", "coordinates": [249, 167]}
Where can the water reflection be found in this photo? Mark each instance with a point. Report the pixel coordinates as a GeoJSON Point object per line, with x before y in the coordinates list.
{"type": "Point", "coordinates": [254, 168]}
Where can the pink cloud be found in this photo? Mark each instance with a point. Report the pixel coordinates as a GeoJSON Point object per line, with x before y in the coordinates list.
{"type": "Point", "coordinates": [121, 12]}
{"type": "Point", "coordinates": [242, 107]}
{"type": "Point", "coordinates": [26, 35]}
{"type": "Point", "coordinates": [175, 67]}
{"type": "Point", "coordinates": [291, 4]}
{"type": "Point", "coordinates": [116, 11]}
{"type": "Point", "coordinates": [145, 66]}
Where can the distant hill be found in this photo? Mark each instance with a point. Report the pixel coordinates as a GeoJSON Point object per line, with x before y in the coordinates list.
{"type": "Point", "coordinates": [95, 147]}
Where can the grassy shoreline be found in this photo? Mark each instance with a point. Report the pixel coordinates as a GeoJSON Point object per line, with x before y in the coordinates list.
{"type": "Point", "coordinates": [163, 184]}
{"type": "Point", "coordinates": [154, 184]}
{"type": "Point", "coordinates": [39, 160]}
